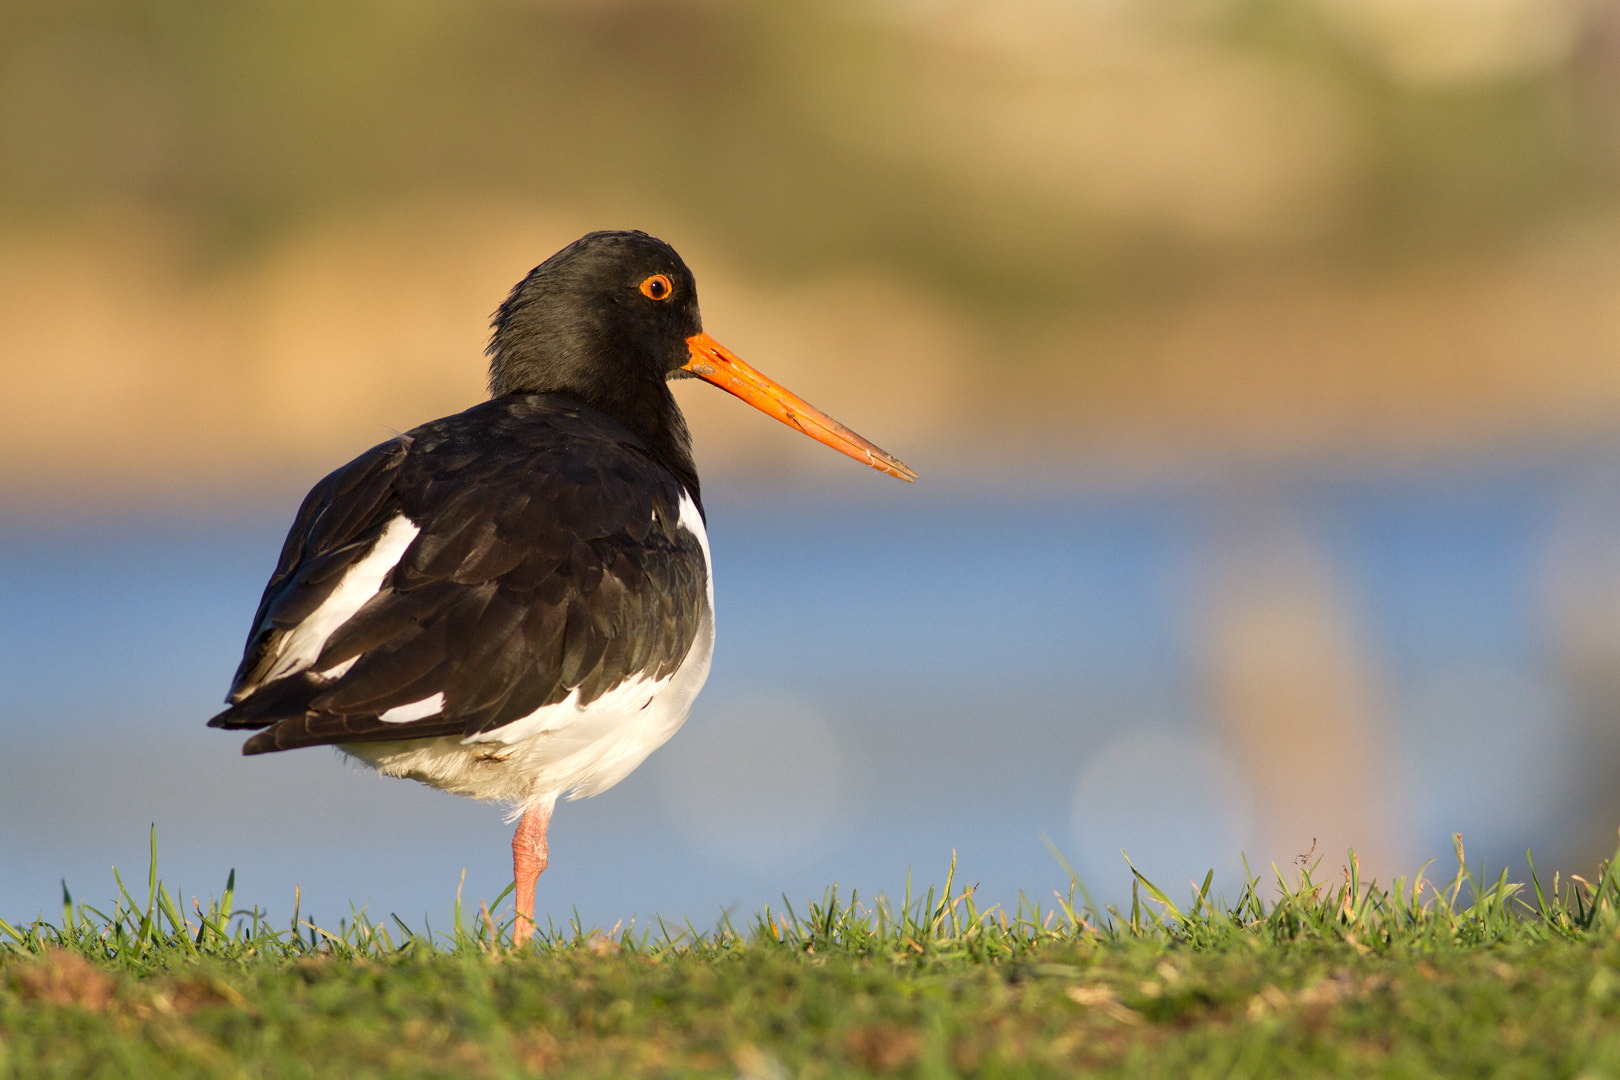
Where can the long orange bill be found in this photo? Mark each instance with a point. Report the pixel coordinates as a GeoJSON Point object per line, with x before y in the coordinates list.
{"type": "Point", "coordinates": [712, 362]}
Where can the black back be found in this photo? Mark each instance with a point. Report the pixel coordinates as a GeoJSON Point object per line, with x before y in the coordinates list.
{"type": "Point", "coordinates": [548, 560]}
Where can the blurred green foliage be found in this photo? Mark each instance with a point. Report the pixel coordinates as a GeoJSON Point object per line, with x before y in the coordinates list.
{"type": "Point", "coordinates": [745, 120]}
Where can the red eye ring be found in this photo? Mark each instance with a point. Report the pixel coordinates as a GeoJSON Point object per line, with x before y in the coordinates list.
{"type": "Point", "coordinates": [657, 287]}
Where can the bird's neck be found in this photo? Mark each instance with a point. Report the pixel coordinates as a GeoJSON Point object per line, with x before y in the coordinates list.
{"type": "Point", "coordinates": [671, 442]}
{"type": "Point", "coordinates": [651, 412]}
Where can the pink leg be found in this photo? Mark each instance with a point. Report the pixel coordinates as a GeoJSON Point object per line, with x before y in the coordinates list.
{"type": "Point", "coordinates": [529, 857]}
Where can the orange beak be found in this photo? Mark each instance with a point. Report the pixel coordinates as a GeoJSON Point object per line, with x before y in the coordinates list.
{"type": "Point", "coordinates": [712, 362]}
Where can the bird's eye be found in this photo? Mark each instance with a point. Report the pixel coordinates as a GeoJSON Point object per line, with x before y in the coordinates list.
{"type": "Point", "coordinates": [657, 287]}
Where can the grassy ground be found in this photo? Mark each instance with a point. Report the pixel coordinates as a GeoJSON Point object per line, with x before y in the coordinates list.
{"type": "Point", "coordinates": [1295, 977]}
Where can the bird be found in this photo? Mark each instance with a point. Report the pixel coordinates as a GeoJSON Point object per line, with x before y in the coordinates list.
{"type": "Point", "coordinates": [516, 602]}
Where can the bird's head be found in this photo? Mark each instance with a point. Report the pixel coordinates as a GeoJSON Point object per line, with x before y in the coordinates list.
{"type": "Point", "coordinates": [610, 308]}
{"type": "Point", "coordinates": [611, 318]}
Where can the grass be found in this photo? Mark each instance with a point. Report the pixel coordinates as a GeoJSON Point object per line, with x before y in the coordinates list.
{"type": "Point", "coordinates": [1301, 975]}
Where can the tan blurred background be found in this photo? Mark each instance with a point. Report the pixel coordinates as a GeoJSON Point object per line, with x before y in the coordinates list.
{"type": "Point", "coordinates": [1093, 238]}
{"type": "Point", "coordinates": [245, 239]}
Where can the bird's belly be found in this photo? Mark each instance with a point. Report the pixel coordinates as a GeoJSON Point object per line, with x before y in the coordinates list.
{"type": "Point", "coordinates": [564, 747]}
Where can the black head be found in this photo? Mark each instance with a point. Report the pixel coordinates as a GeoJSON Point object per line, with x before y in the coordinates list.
{"type": "Point", "coordinates": [605, 322]}
{"type": "Point", "coordinates": [605, 317]}
{"type": "Point", "coordinates": [609, 320]}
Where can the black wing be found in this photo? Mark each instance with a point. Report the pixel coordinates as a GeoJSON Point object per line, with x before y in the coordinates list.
{"type": "Point", "coordinates": [548, 560]}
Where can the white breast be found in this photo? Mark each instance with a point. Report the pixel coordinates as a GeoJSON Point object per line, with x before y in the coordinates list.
{"type": "Point", "coordinates": [565, 747]}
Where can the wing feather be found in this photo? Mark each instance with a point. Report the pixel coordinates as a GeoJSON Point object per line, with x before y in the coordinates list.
{"type": "Point", "coordinates": [548, 561]}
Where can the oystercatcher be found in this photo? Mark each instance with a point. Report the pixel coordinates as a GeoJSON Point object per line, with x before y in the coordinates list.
{"type": "Point", "coordinates": [515, 602]}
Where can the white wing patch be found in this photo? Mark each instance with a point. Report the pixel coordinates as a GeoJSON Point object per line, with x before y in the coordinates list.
{"type": "Point", "coordinates": [416, 710]}
{"type": "Point", "coordinates": [303, 643]}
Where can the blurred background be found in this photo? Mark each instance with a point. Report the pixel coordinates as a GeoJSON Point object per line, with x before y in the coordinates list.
{"type": "Point", "coordinates": [1261, 360]}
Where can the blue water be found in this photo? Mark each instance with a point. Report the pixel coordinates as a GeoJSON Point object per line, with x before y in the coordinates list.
{"type": "Point", "coordinates": [898, 677]}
